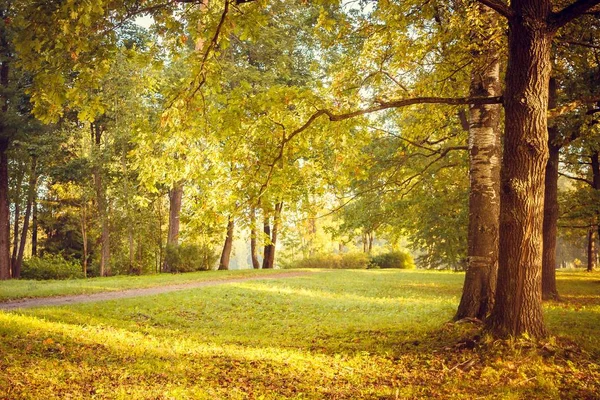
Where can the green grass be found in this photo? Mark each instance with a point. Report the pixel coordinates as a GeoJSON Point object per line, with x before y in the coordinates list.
{"type": "Point", "coordinates": [335, 334]}
{"type": "Point", "coordinates": [18, 289]}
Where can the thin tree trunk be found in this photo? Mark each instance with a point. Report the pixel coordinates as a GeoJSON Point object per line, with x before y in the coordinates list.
{"type": "Point", "coordinates": [132, 269]}
{"type": "Point", "coordinates": [518, 305]}
{"type": "Point", "coordinates": [17, 218]}
{"type": "Point", "coordinates": [34, 227]}
{"type": "Point", "coordinates": [4, 211]}
{"type": "Point", "coordinates": [274, 233]}
{"type": "Point", "coordinates": [226, 253]}
{"type": "Point", "coordinates": [594, 230]}
{"type": "Point", "coordinates": [175, 198]}
{"type": "Point", "coordinates": [591, 249]}
{"type": "Point", "coordinates": [253, 247]}
{"type": "Point", "coordinates": [84, 238]}
{"type": "Point", "coordinates": [30, 196]}
{"type": "Point", "coordinates": [102, 205]}
{"type": "Point", "coordinates": [371, 237]}
{"type": "Point", "coordinates": [268, 247]}
{"type": "Point", "coordinates": [549, 289]}
{"type": "Point", "coordinates": [484, 174]}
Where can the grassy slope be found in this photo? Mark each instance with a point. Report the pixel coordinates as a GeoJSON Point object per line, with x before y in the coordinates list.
{"type": "Point", "coordinates": [336, 334]}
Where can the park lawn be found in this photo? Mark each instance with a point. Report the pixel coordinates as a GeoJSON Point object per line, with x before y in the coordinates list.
{"type": "Point", "coordinates": [21, 288]}
{"type": "Point", "coordinates": [349, 334]}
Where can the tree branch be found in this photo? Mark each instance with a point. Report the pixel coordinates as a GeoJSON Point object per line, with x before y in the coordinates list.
{"type": "Point", "coordinates": [568, 107]}
{"type": "Point", "coordinates": [576, 178]}
{"type": "Point", "coordinates": [569, 13]}
{"type": "Point", "coordinates": [500, 7]}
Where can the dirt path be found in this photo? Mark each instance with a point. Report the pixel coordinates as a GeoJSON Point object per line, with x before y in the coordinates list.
{"type": "Point", "coordinates": [128, 293]}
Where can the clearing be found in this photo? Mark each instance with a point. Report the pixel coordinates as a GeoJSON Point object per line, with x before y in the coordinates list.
{"type": "Point", "coordinates": [344, 334]}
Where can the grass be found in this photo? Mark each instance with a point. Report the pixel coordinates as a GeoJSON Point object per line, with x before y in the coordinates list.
{"type": "Point", "coordinates": [19, 289]}
{"type": "Point", "coordinates": [335, 334]}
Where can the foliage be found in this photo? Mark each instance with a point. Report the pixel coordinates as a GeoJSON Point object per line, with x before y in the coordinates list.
{"type": "Point", "coordinates": [371, 334]}
{"type": "Point", "coordinates": [51, 266]}
{"type": "Point", "coordinates": [190, 257]}
{"type": "Point", "coordinates": [394, 259]}
{"type": "Point", "coordinates": [334, 261]}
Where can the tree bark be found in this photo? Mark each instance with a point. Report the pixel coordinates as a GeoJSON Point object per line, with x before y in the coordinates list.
{"type": "Point", "coordinates": [484, 174]}
{"type": "Point", "coordinates": [226, 253]}
{"type": "Point", "coordinates": [17, 217]}
{"type": "Point", "coordinates": [549, 289]}
{"type": "Point", "coordinates": [268, 247]}
{"type": "Point", "coordinates": [102, 204]}
{"type": "Point", "coordinates": [591, 249]}
{"type": "Point", "coordinates": [518, 304]}
{"type": "Point", "coordinates": [34, 227]}
{"type": "Point", "coordinates": [84, 238]}
{"type": "Point", "coordinates": [175, 198]}
{"type": "Point", "coordinates": [30, 197]}
{"type": "Point", "coordinates": [274, 233]}
{"type": "Point", "coordinates": [253, 247]}
{"type": "Point", "coordinates": [4, 211]}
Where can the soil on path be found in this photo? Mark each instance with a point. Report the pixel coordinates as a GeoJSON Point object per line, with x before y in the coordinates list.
{"type": "Point", "coordinates": [128, 293]}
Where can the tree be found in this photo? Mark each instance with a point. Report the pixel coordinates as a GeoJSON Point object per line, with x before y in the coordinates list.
{"type": "Point", "coordinates": [226, 253]}
{"type": "Point", "coordinates": [484, 172]}
{"type": "Point", "coordinates": [532, 25]}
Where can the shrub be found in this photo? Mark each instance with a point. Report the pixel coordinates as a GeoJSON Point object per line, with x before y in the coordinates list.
{"type": "Point", "coordinates": [395, 259]}
{"type": "Point", "coordinates": [190, 257]}
{"type": "Point", "coordinates": [334, 261]}
{"type": "Point", "coordinates": [51, 266]}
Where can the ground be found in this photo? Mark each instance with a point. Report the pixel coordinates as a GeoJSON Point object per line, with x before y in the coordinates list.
{"type": "Point", "coordinates": [330, 334]}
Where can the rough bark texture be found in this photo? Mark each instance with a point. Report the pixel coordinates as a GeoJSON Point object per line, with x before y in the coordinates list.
{"type": "Point", "coordinates": [268, 247]}
{"type": "Point", "coordinates": [484, 174]}
{"type": "Point", "coordinates": [30, 196]}
{"type": "Point", "coordinates": [549, 290]}
{"type": "Point", "coordinates": [518, 305]}
{"type": "Point", "coordinates": [175, 198]}
{"type": "Point", "coordinates": [102, 205]}
{"type": "Point", "coordinates": [226, 253]}
{"type": "Point", "coordinates": [253, 246]}
{"type": "Point", "coordinates": [4, 212]}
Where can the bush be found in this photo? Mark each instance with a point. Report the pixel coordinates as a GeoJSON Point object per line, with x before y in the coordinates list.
{"type": "Point", "coordinates": [395, 259]}
{"type": "Point", "coordinates": [190, 257]}
{"type": "Point", "coordinates": [334, 261]}
{"type": "Point", "coordinates": [51, 266]}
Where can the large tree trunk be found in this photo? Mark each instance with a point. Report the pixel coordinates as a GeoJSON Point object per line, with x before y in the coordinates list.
{"type": "Point", "coordinates": [484, 174]}
{"type": "Point", "coordinates": [102, 204]}
{"type": "Point", "coordinates": [30, 196]}
{"type": "Point", "coordinates": [549, 290]}
{"type": "Point", "coordinates": [4, 211]}
{"type": "Point", "coordinates": [268, 246]}
{"type": "Point", "coordinates": [175, 198]}
{"type": "Point", "coordinates": [226, 253]}
{"type": "Point", "coordinates": [253, 247]}
{"type": "Point", "coordinates": [518, 305]}
{"type": "Point", "coordinates": [276, 226]}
